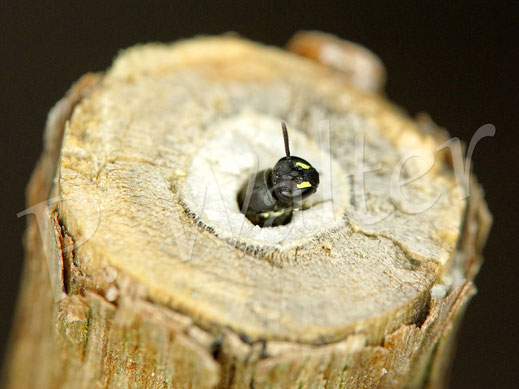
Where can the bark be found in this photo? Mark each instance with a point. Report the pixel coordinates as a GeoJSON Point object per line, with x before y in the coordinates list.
{"type": "Point", "coordinates": [142, 271]}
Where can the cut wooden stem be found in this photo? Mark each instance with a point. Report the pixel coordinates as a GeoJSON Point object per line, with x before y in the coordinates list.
{"type": "Point", "coordinates": [163, 283]}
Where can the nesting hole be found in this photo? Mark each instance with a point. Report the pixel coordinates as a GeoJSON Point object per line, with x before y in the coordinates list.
{"type": "Point", "coordinates": [244, 145]}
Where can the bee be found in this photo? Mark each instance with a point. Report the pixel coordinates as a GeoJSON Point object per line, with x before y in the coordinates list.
{"type": "Point", "coordinates": [270, 196]}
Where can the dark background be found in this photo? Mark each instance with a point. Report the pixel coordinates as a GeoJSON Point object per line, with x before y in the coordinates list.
{"type": "Point", "coordinates": [458, 63]}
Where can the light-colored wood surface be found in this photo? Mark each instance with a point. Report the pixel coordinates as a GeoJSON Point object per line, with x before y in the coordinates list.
{"type": "Point", "coordinates": [166, 284]}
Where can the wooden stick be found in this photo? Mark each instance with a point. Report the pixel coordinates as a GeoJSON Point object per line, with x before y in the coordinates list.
{"type": "Point", "coordinates": [164, 282]}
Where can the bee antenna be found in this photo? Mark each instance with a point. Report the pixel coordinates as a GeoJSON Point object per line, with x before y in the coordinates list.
{"type": "Point", "coordinates": [285, 138]}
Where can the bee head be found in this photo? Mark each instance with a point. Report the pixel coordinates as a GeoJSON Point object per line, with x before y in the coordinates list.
{"type": "Point", "coordinates": [293, 180]}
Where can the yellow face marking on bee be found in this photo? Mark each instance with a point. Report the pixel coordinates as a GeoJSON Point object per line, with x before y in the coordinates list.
{"type": "Point", "coordinates": [304, 184]}
{"type": "Point", "coordinates": [277, 213]}
{"type": "Point", "coordinates": [265, 215]}
{"type": "Point", "coordinates": [303, 165]}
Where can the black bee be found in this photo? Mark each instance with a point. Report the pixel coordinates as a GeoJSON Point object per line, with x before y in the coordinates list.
{"type": "Point", "coordinates": [271, 195]}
